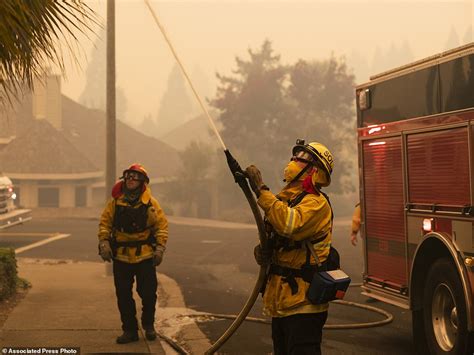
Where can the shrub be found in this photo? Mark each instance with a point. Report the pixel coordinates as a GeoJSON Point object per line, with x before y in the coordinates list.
{"type": "Point", "coordinates": [8, 273]}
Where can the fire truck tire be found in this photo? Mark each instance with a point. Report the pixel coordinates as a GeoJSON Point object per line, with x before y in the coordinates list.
{"type": "Point", "coordinates": [444, 311]}
{"type": "Point", "coordinates": [418, 331]}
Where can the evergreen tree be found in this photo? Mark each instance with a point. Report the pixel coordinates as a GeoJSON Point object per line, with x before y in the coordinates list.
{"type": "Point", "coordinates": [453, 39]}
{"type": "Point", "coordinates": [192, 182]}
{"type": "Point", "coordinates": [392, 57]}
{"type": "Point", "coordinates": [175, 106]}
{"type": "Point", "coordinates": [253, 109]}
{"type": "Point", "coordinates": [93, 95]}
{"type": "Point", "coordinates": [468, 35]}
{"type": "Point", "coordinates": [378, 61]}
{"type": "Point", "coordinates": [265, 106]}
{"type": "Point", "coordinates": [406, 53]}
{"type": "Point", "coordinates": [148, 126]}
{"type": "Point", "coordinates": [203, 86]}
{"type": "Point", "coordinates": [360, 66]}
{"type": "Point", "coordinates": [323, 95]}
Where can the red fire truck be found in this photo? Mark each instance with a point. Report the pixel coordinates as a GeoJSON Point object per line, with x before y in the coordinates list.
{"type": "Point", "coordinates": [416, 167]}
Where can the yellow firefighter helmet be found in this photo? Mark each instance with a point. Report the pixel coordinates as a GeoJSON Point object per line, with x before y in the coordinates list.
{"type": "Point", "coordinates": [322, 156]}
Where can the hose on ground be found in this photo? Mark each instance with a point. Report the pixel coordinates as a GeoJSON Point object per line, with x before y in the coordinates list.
{"type": "Point", "coordinates": [388, 317]}
{"type": "Point", "coordinates": [204, 316]}
{"type": "Point", "coordinates": [174, 344]}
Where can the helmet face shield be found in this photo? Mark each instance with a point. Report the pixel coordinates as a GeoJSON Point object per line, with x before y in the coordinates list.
{"type": "Point", "coordinates": [304, 157]}
{"type": "Point", "coordinates": [133, 175]}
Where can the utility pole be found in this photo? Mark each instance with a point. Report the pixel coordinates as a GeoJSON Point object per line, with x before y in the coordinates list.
{"type": "Point", "coordinates": [110, 141]}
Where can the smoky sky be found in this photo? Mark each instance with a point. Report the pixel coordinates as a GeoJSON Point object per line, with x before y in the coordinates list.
{"type": "Point", "coordinates": [208, 36]}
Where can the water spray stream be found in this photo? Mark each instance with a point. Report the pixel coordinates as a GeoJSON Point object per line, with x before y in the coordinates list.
{"type": "Point", "coordinates": [175, 54]}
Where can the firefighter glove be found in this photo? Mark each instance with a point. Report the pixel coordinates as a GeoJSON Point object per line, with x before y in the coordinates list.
{"type": "Point", "coordinates": [263, 256]}
{"type": "Point", "coordinates": [105, 251]}
{"type": "Point", "coordinates": [354, 238]}
{"type": "Point", "coordinates": [158, 255]}
{"type": "Point", "coordinates": [255, 179]}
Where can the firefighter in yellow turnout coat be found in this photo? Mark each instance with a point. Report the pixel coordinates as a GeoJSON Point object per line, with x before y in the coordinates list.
{"type": "Point", "coordinates": [299, 214]}
{"type": "Point", "coordinates": [133, 232]}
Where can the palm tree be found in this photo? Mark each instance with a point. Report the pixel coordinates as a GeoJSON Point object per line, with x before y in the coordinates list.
{"type": "Point", "coordinates": [31, 33]}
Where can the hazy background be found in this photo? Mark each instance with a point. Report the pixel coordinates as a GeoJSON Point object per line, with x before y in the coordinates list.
{"type": "Point", "coordinates": [271, 71]}
{"type": "Point", "coordinates": [372, 35]}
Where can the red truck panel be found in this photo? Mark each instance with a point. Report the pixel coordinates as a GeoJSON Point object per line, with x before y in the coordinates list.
{"type": "Point", "coordinates": [438, 167]}
{"type": "Point", "coordinates": [384, 206]}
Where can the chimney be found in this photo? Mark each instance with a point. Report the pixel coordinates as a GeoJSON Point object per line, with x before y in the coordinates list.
{"type": "Point", "coordinates": [47, 99]}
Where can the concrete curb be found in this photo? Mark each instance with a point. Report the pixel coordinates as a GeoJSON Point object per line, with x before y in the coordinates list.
{"type": "Point", "coordinates": [172, 319]}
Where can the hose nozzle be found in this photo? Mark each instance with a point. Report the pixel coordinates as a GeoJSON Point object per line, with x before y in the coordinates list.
{"type": "Point", "coordinates": [234, 166]}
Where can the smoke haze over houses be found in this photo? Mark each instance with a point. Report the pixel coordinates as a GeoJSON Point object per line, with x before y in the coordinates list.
{"type": "Point", "coordinates": [372, 35]}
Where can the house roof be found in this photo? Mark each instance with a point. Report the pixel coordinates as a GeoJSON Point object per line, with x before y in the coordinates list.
{"type": "Point", "coordinates": [82, 141]}
{"type": "Point", "coordinates": [41, 149]}
{"type": "Point", "coordinates": [85, 128]}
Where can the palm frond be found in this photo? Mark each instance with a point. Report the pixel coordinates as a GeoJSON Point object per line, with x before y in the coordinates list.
{"type": "Point", "coordinates": [31, 33]}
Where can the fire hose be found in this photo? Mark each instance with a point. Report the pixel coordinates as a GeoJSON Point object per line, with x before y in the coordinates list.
{"type": "Point", "coordinates": [204, 316]}
{"type": "Point", "coordinates": [241, 180]}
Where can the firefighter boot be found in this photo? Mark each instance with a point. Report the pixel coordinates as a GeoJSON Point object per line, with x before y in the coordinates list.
{"type": "Point", "coordinates": [127, 337]}
{"type": "Point", "coordinates": [150, 332]}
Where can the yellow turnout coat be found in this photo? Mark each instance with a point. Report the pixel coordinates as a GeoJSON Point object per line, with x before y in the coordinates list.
{"type": "Point", "coordinates": [156, 223]}
{"type": "Point", "coordinates": [311, 220]}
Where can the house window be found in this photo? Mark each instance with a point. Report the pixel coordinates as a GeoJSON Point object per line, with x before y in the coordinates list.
{"type": "Point", "coordinates": [48, 197]}
{"type": "Point", "coordinates": [81, 196]}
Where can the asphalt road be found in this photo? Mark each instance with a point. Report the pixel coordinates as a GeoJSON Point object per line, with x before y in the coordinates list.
{"type": "Point", "coordinates": [215, 269]}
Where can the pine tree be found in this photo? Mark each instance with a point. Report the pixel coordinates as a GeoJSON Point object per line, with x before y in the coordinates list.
{"type": "Point", "coordinates": [175, 106]}
{"type": "Point", "coordinates": [406, 53]}
{"type": "Point", "coordinates": [453, 39]}
{"type": "Point", "coordinates": [93, 95]}
{"type": "Point", "coordinates": [378, 61]}
{"type": "Point", "coordinates": [360, 66]}
{"type": "Point", "coordinates": [265, 106]}
{"type": "Point", "coordinates": [468, 35]}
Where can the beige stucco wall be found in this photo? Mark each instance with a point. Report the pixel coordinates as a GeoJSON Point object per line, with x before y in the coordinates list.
{"type": "Point", "coordinates": [67, 194]}
{"type": "Point", "coordinates": [28, 195]}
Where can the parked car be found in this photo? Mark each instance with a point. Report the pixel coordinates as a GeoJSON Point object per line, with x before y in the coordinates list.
{"type": "Point", "coordinates": [9, 214]}
{"type": "Point", "coordinates": [7, 195]}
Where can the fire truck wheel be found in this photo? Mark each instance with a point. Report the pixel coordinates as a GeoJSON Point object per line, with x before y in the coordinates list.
{"type": "Point", "coordinates": [444, 311]}
{"type": "Point", "coordinates": [418, 331]}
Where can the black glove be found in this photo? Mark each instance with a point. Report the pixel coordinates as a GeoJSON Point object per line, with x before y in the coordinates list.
{"type": "Point", "coordinates": [105, 251]}
{"type": "Point", "coordinates": [262, 256]}
{"type": "Point", "coordinates": [255, 179]}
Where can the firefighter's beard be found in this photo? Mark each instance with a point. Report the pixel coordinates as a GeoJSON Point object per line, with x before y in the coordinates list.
{"type": "Point", "coordinates": [291, 172]}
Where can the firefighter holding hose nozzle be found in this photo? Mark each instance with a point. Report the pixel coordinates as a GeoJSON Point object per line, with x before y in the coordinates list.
{"type": "Point", "coordinates": [299, 217]}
